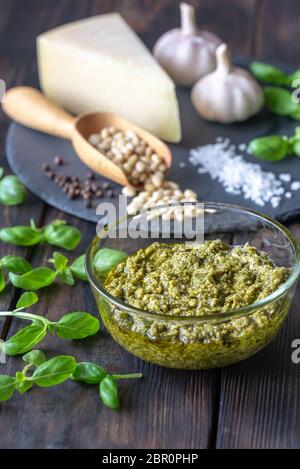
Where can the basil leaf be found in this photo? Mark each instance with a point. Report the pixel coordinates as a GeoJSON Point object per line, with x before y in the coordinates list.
{"type": "Point", "coordinates": [21, 236]}
{"type": "Point", "coordinates": [35, 357]}
{"type": "Point", "coordinates": [16, 264]}
{"type": "Point", "coordinates": [26, 300]}
{"type": "Point", "coordinates": [62, 235]}
{"type": "Point", "coordinates": [76, 325]}
{"type": "Point", "coordinates": [2, 281]}
{"type": "Point", "coordinates": [268, 74]}
{"type": "Point", "coordinates": [109, 392]}
{"type": "Point", "coordinates": [54, 371]}
{"type": "Point", "coordinates": [59, 261]}
{"type": "Point", "coordinates": [12, 191]}
{"type": "Point", "coordinates": [67, 277]}
{"type": "Point", "coordinates": [280, 101]}
{"type": "Point", "coordinates": [7, 387]}
{"type": "Point", "coordinates": [37, 278]}
{"type": "Point", "coordinates": [24, 340]}
{"type": "Point", "coordinates": [78, 268]}
{"type": "Point", "coordinates": [24, 386]}
{"type": "Point", "coordinates": [270, 148]}
{"type": "Point", "coordinates": [89, 373]}
{"type": "Point", "coordinates": [106, 259]}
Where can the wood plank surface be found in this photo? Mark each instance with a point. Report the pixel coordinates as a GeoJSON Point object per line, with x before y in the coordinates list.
{"type": "Point", "coordinates": [259, 405]}
{"type": "Point", "coordinates": [253, 404]}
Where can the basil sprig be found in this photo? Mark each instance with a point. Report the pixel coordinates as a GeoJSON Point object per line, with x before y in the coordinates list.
{"type": "Point", "coordinates": [57, 233]}
{"type": "Point", "coordinates": [12, 191]}
{"type": "Point", "coordinates": [273, 75]}
{"type": "Point", "coordinates": [91, 373]}
{"type": "Point", "coordinates": [43, 374]}
{"type": "Point", "coordinates": [47, 373]}
{"type": "Point", "coordinates": [275, 147]}
{"type": "Point", "coordinates": [23, 275]}
{"type": "Point", "coordinates": [42, 277]}
{"type": "Point", "coordinates": [77, 325]}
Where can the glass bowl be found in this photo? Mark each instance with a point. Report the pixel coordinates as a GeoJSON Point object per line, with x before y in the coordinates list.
{"type": "Point", "coordinates": [199, 342]}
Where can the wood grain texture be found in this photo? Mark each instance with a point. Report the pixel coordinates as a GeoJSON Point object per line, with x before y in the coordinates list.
{"type": "Point", "coordinates": [277, 31]}
{"type": "Point", "coordinates": [253, 404]}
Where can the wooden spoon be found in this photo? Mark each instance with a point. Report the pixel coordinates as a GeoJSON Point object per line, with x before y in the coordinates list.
{"type": "Point", "coordinates": [31, 108]}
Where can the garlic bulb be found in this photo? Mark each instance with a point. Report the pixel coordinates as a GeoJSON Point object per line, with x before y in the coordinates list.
{"type": "Point", "coordinates": [229, 94]}
{"type": "Point", "coordinates": [187, 53]}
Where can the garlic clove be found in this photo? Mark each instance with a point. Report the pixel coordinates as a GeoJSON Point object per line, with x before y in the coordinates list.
{"type": "Point", "coordinates": [229, 94]}
{"type": "Point", "coordinates": [187, 53]}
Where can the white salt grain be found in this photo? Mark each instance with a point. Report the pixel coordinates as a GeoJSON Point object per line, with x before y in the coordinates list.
{"type": "Point", "coordinates": [295, 186]}
{"type": "Point", "coordinates": [285, 177]}
{"type": "Point", "coordinates": [182, 164]}
{"type": "Point", "coordinates": [237, 176]}
{"type": "Point", "coordinates": [288, 195]}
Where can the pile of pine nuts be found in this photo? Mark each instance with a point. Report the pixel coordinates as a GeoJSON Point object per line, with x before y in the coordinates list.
{"type": "Point", "coordinates": [136, 158]}
{"type": "Point", "coordinates": [168, 193]}
{"type": "Point", "coordinates": [143, 167]}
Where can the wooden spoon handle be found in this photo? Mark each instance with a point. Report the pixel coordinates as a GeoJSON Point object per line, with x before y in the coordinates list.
{"type": "Point", "coordinates": [31, 108]}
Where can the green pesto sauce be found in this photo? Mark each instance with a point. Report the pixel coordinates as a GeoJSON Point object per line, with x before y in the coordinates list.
{"type": "Point", "coordinates": [181, 280]}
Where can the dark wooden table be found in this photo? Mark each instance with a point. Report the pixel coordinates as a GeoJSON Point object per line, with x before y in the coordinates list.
{"type": "Point", "coordinates": [254, 404]}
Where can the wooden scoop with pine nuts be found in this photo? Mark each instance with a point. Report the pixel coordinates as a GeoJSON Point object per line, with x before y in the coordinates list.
{"type": "Point", "coordinates": [109, 145]}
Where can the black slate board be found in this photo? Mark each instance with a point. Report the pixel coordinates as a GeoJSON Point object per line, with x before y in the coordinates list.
{"type": "Point", "coordinates": [27, 150]}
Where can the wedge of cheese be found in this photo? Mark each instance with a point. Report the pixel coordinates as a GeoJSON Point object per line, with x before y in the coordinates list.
{"type": "Point", "coordinates": [99, 64]}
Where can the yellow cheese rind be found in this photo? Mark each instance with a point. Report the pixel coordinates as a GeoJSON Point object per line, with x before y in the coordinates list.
{"type": "Point", "coordinates": [99, 64]}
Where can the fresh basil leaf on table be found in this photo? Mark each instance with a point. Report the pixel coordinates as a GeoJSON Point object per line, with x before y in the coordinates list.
{"type": "Point", "coordinates": [35, 279]}
{"type": "Point", "coordinates": [108, 391]}
{"type": "Point", "coordinates": [7, 387]}
{"type": "Point", "coordinates": [77, 325]}
{"type": "Point", "coordinates": [57, 233]}
{"type": "Point", "coordinates": [89, 373]}
{"type": "Point", "coordinates": [26, 300]}
{"type": "Point", "coordinates": [54, 371]}
{"type": "Point", "coordinates": [24, 340]}
{"type": "Point", "coordinates": [60, 234]}
{"type": "Point", "coordinates": [12, 191]}
{"type": "Point", "coordinates": [15, 264]}
{"type": "Point", "coordinates": [21, 235]}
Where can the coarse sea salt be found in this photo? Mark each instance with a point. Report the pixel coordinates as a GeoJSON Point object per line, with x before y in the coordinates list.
{"type": "Point", "coordinates": [285, 177]}
{"type": "Point", "coordinates": [223, 163]}
{"type": "Point", "coordinates": [295, 186]}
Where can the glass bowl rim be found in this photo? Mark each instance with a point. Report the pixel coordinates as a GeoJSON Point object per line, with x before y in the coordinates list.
{"type": "Point", "coordinates": [234, 313]}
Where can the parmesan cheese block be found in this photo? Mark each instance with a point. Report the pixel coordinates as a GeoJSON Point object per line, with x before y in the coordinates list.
{"type": "Point", "coordinates": [99, 64]}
